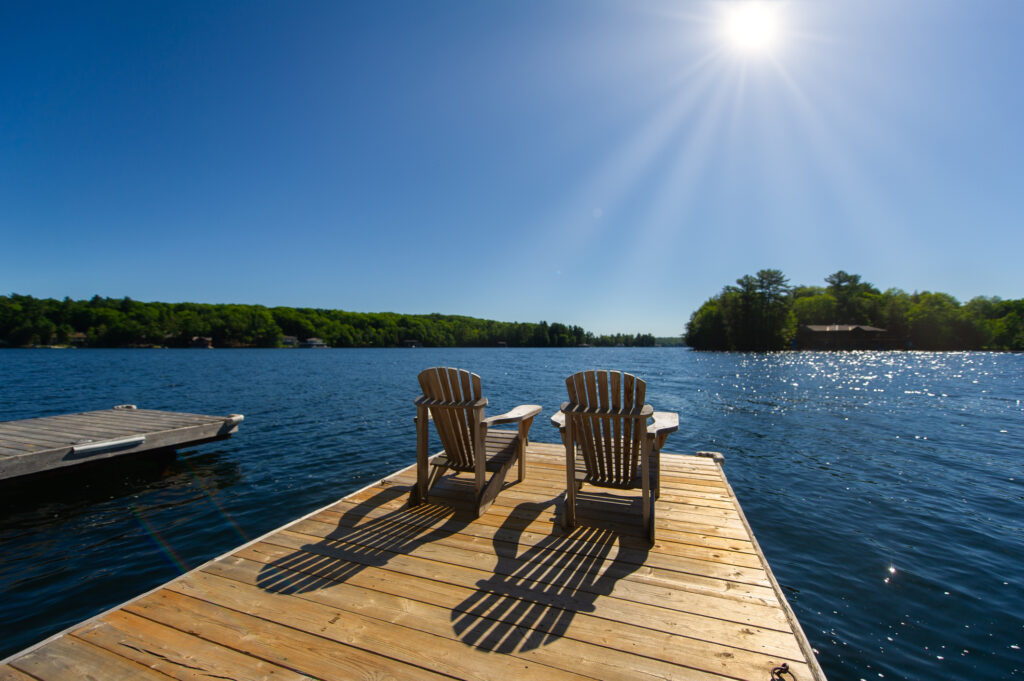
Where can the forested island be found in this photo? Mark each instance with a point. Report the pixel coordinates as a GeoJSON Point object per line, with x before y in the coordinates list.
{"type": "Point", "coordinates": [122, 322]}
{"type": "Point", "coordinates": [764, 312]}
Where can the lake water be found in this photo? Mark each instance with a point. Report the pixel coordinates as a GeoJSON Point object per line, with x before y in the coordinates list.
{"type": "Point", "coordinates": [886, 489]}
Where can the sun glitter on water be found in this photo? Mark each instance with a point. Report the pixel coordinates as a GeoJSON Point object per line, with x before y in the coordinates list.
{"type": "Point", "coordinates": [752, 27]}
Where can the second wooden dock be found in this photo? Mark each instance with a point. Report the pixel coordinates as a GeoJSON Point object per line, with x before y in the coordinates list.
{"type": "Point", "coordinates": [54, 442]}
{"type": "Point", "coordinates": [368, 588]}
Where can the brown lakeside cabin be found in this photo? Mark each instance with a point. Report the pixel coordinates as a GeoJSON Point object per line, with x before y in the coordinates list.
{"type": "Point", "coordinates": [842, 337]}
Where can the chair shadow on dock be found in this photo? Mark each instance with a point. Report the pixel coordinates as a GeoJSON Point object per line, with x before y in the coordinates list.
{"type": "Point", "coordinates": [538, 578]}
{"type": "Point", "coordinates": [533, 595]}
{"type": "Point", "coordinates": [368, 534]}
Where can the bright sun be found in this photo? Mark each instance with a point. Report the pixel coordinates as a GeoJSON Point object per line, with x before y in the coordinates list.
{"type": "Point", "coordinates": [752, 27]}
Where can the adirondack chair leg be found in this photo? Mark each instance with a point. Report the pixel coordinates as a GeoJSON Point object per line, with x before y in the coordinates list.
{"type": "Point", "coordinates": [650, 525]}
{"type": "Point", "coordinates": [645, 482]}
{"type": "Point", "coordinates": [569, 518]}
{"type": "Point", "coordinates": [419, 492]}
{"type": "Point", "coordinates": [436, 473]}
{"type": "Point", "coordinates": [524, 438]}
{"type": "Point", "coordinates": [521, 455]}
{"type": "Point", "coordinates": [480, 459]}
{"type": "Point", "coordinates": [656, 472]}
{"type": "Point", "coordinates": [658, 444]}
{"type": "Point", "coordinates": [494, 485]}
{"type": "Point", "coordinates": [578, 483]}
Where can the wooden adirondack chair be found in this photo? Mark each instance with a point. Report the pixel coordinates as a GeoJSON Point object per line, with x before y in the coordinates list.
{"type": "Point", "coordinates": [605, 430]}
{"type": "Point", "coordinates": [452, 399]}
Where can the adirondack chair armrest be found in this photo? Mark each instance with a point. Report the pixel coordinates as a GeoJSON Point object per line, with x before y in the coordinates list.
{"type": "Point", "coordinates": [665, 422]}
{"type": "Point", "coordinates": [558, 420]}
{"type": "Point", "coordinates": [517, 415]}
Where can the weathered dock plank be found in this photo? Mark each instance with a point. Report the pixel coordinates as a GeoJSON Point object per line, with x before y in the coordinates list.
{"type": "Point", "coordinates": [54, 442]}
{"type": "Point", "coordinates": [370, 588]}
{"type": "Point", "coordinates": [175, 653]}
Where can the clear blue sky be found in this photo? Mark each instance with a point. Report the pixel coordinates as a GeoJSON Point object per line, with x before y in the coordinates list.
{"type": "Point", "coordinates": [607, 164]}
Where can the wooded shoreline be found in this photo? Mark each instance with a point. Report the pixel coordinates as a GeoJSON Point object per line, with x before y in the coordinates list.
{"type": "Point", "coordinates": [122, 322]}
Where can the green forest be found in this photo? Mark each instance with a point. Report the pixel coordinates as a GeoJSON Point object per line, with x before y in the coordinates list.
{"type": "Point", "coordinates": [764, 312]}
{"type": "Point", "coordinates": [122, 322]}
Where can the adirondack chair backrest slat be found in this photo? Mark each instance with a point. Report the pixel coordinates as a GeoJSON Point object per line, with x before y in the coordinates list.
{"type": "Point", "coordinates": [451, 389]}
{"type": "Point", "coordinates": [605, 415]}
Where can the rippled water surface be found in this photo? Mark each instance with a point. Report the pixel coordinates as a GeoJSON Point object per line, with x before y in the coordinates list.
{"type": "Point", "coordinates": [887, 489]}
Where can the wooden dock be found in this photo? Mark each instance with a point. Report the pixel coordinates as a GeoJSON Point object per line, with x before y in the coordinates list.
{"type": "Point", "coordinates": [367, 588]}
{"type": "Point", "coordinates": [54, 442]}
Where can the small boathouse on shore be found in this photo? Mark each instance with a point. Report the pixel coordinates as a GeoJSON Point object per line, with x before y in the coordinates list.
{"type": "Point", "coordinates": [842, 337]}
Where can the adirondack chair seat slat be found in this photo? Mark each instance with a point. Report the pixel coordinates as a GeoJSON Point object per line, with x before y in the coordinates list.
{"type": "Point", "coordinates": [631, 482]}
{"type": "Point", "coordinates": [491, 466]}
{"type": "Point", "coordinates": [501, 446]}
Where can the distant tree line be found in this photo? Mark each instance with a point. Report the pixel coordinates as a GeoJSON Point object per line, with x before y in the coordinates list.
{"type": "Point", "coordinates": [123, 322]}
{"type": "Point", "coordinates": [763, 312]}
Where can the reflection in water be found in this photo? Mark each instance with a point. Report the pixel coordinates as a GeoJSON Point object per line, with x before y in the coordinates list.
{"type": "Point", "coordinates": [72, 541]}
{"type": "Point", "coordinates": [32, 501]}
{"type": "Point", "coordinates": [198, 469]}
